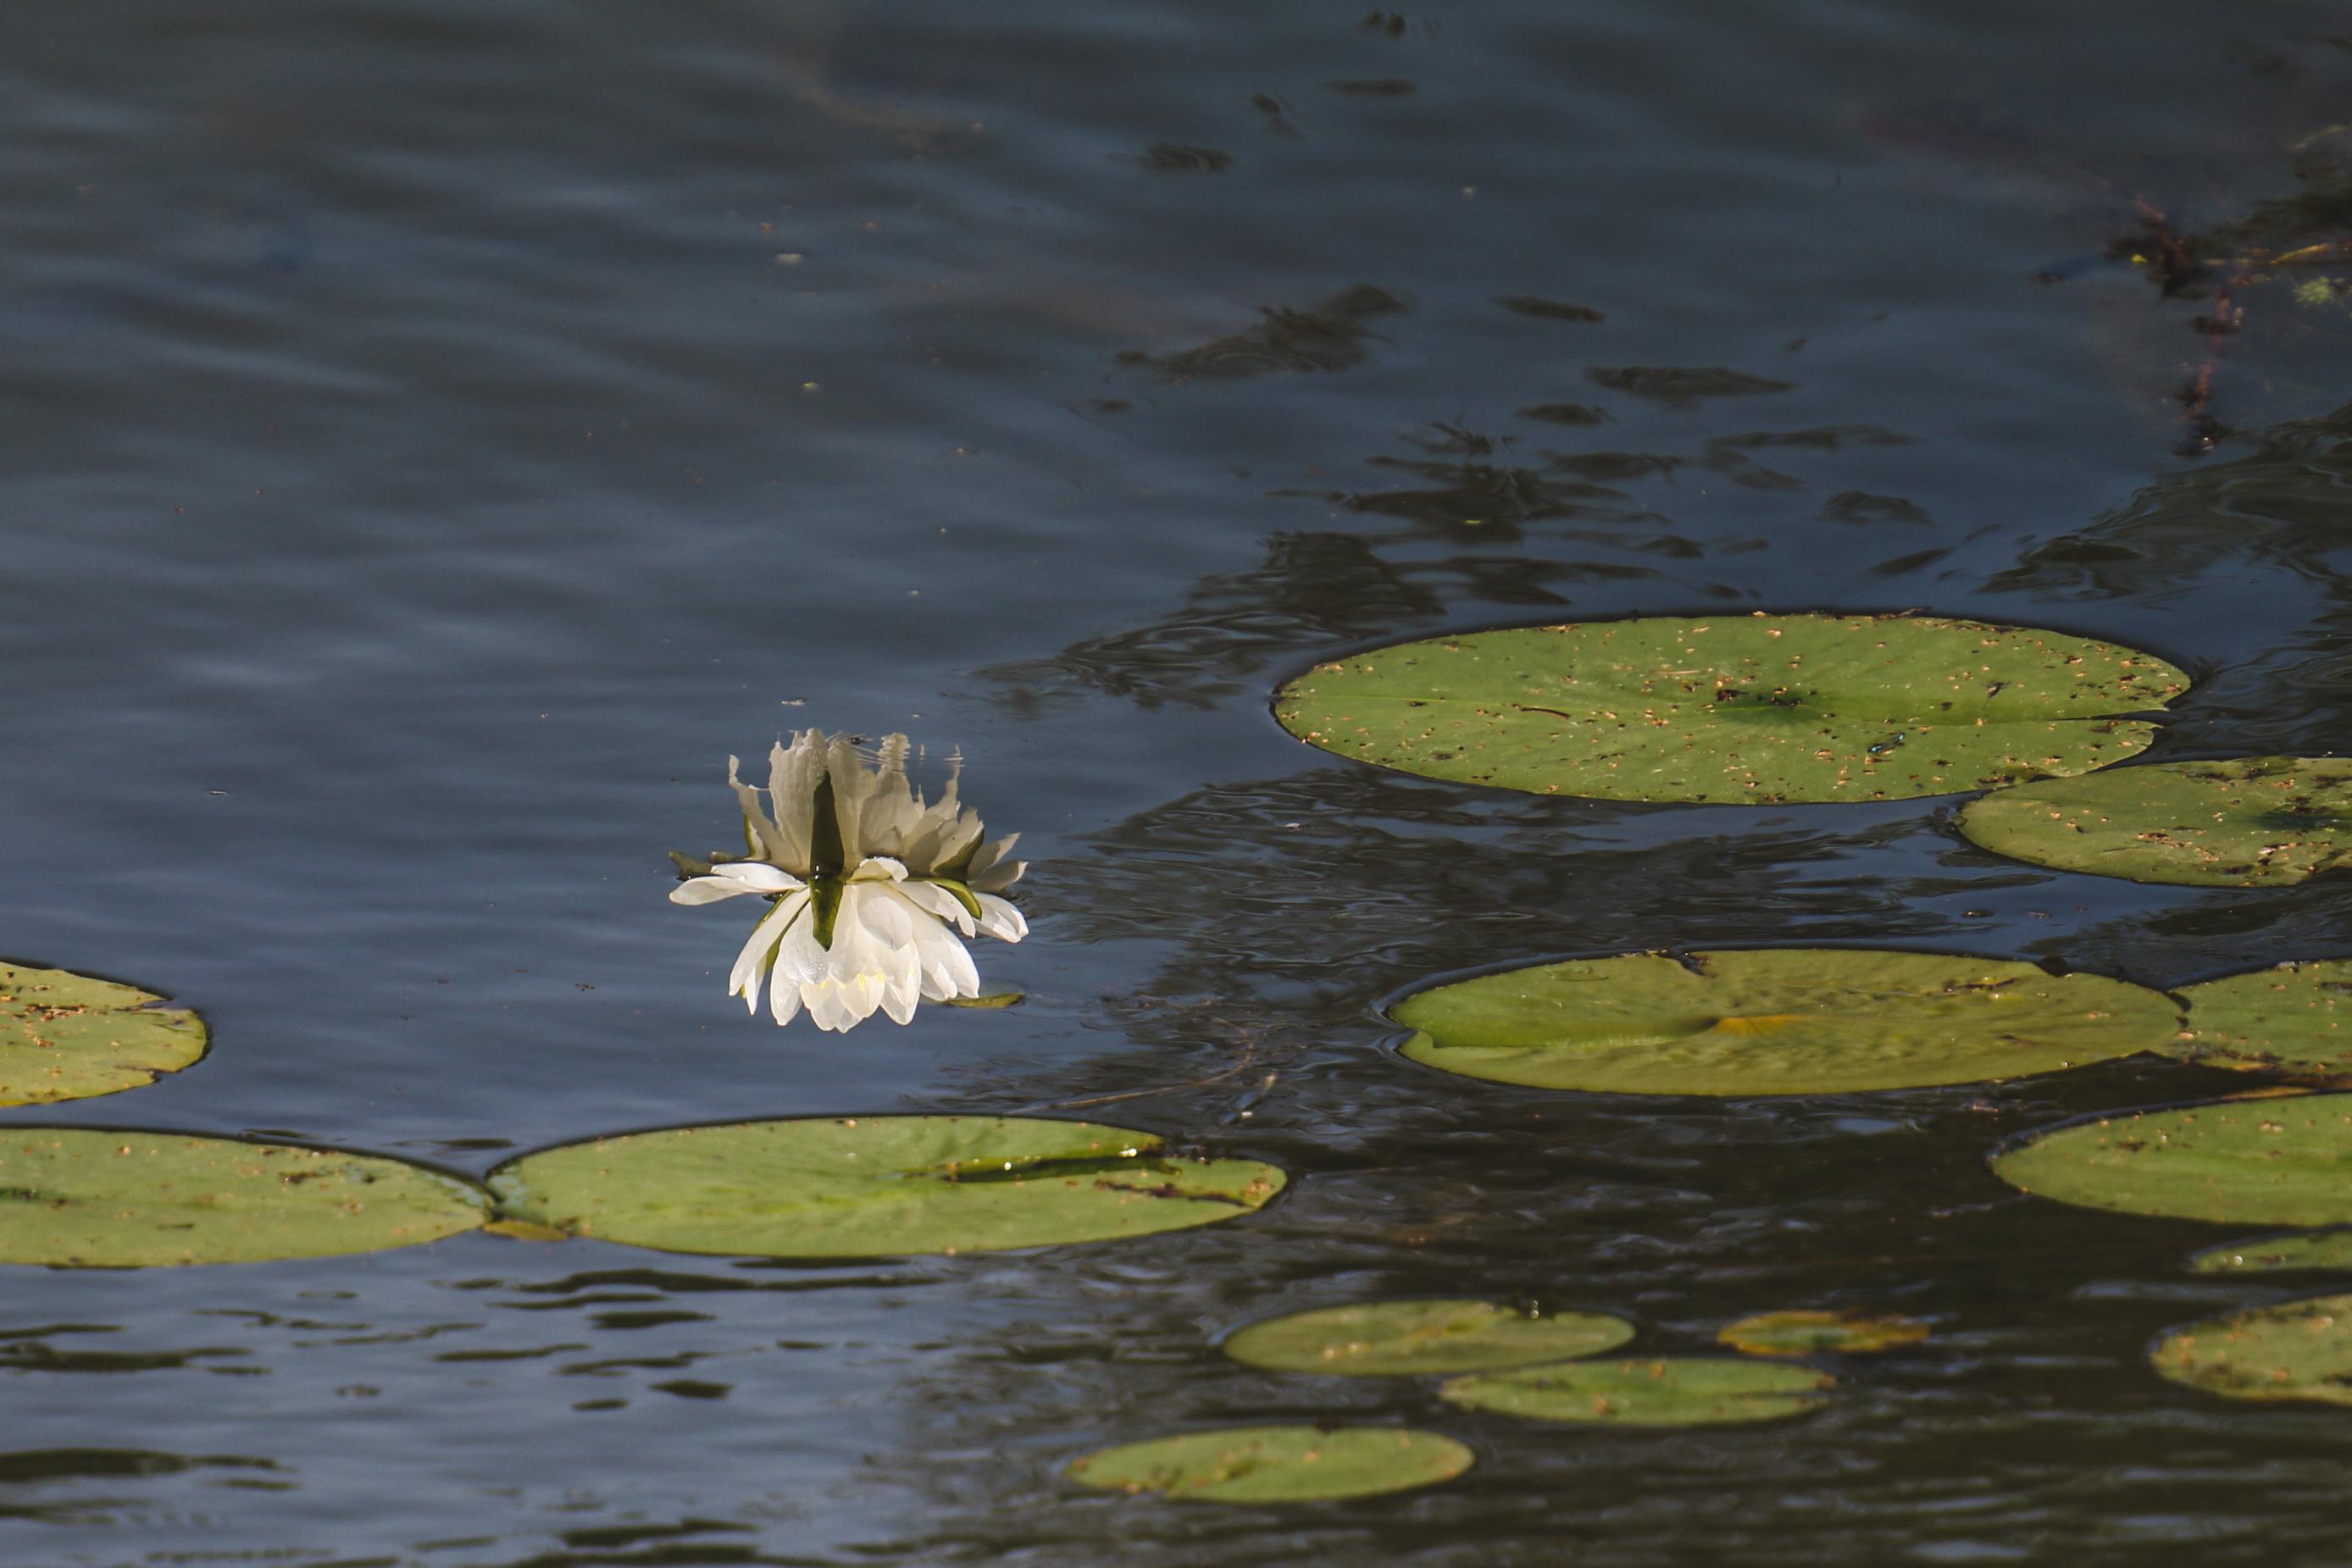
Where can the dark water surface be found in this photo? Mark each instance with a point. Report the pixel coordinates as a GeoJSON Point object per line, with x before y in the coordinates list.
{"type": "Point", "coordinates": [438, 434]}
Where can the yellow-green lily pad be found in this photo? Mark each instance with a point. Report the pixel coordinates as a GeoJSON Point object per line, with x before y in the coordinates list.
{"type": "Point", "coordinates": [2278, 1254]}
{"type": "Point", "coordinates": [2241, 1161]}
{"type": "Point", "coordinates": [1750, 709]}
{"type": "Point", "coordinates": [65, 1036]}
{"type": "Point", "coordinates": [1277, 1464]}
{"type": "Point", "coordinates": [1778, 1020]}
{"type": "Point", "coordinates": [92, 1198]}
{"type": "Point", "coordinates": [2296, 1017]}
{"type": "Point", "coordinates": [2296, 1349]}
{"type": "Point", "coordinates": [2257, 821]}
{"type": "Point", "coordinates": [1669, 1391]}
{"type": "Point", "coordinates": [1810, 1332]}
{"type": "Point", "coordinates": [869, 1187]}
{"type": "Point", "coordinates": [1401, 1338]}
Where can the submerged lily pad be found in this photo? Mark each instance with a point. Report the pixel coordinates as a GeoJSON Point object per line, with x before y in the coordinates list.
{"type": "Point", "coordinates": [1743, 708]}
{"type": "Point", "coordinates": [1277, 1464]}
{"type": "Point", "coordinates": [1384, 1338]}
{"type": "Point", "coordinates": [2296, 1017]}
{"type": "Point", "coordinates": [2278, 1254]}
{"type": "Point", "coordinates": [1778, 1020]}
{"type": "Point", "coordinates": [2245, 1162]}
{"type": "Point", "coordinates": [97, 1198]}
{"type": "Point", "coordinates": [872, 1187]}
{"type": "Point", "coordinates": [2257, 821]}
{"type": "Point", "coordinates": [65, 1036]}
{"type": "Point", "coordinates": [1806, 1333]}
{"type": "Point", "coordinates": [2296, 1350]}
{"type": "Point", "coordinates": [1671, 1391]}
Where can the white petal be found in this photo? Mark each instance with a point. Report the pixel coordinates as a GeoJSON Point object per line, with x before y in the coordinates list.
{"type": "Point", "coordinates": [948, 969]}
{"type": "Point", "coordinates": [784, 996]}
{"type": "Point", "coordinates": [707, 889]}
{"type": "Point", "coordinates": [752, 961]}
{"type": "Point", "coordinates": [879, 868]}
{"type": "Point", "coordinates": [757, 877]}
{"type": "Point", "coordinates": [1000, 919]}
{"type": "Point", "coordinates": [937, 903]}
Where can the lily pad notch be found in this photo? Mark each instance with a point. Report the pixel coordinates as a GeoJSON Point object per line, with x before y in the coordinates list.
{"type": "Point", "coordinates": [1745, 709]}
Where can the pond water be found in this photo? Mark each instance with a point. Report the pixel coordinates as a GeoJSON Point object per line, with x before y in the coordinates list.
{"type": "Point", "coordinates": [437, 436]}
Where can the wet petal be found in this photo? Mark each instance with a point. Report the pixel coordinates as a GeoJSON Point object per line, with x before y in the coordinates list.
{"type": "Point", "coordinates": [1001, 919]}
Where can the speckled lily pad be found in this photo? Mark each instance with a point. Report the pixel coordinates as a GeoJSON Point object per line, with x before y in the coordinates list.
{"type": "Point", "coordinates": [1668, 1391]}
{"type": "Point", "coordinates": [2243, 1162]}
{"type": "Point", "coordinates": [1391, 1338]}
{"type": "Point", "coordinates": [94, 1197]}
{"type": "Point", "coordinates": [1744, 708]}
{"type": "Point", "coordinates": [1779, 1020]}
{"type": "Point", "coordinates": [871, 1186]}
{"type": "Point", "coordinates": [2296, 1349]}
{"type": "Point", "coordinates": [1277, 1464]}
{"type": "Point", "coordinates": [65, 1036]}
{"type": "Point", "coordinates": [2296, 1017]}
{"type": "Point", "coordinates": [2257, 821]}
{"type": "Point", "coordinates": [1809, 1333]}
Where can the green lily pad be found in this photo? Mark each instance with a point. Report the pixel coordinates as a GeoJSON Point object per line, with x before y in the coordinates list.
{"type": "Point", "coordinates": [65, 1036]}
{"type": "Point", "coordinates": [2296, 1349]}
{"type": "Point", "coordinates": [1778, 1020]}
{"type": "Point", "coordinates": [2257, 821]}
{"type": "Point", "coordinates": [2296, 1017]}
{"type": "Point", "coordinates": [2278, 1254]}
{"type": "Point", "coordinates": [872, 1187]}
{"type": "Point", "coordinates": [2244, 1162]}
{"type": "Point", "coordinates": [96, 1199]}
{"type": "Point", "coordinates": [1277, 1464]}
{"type": "Point", "coordinates": [1670, 1391]}
{"type": "Point", "coordinates": [1745, 708]}
{"type": "Point", "coordinates": [1389, 1338]}
{"type": "Point", "coordinates": [1808, 1333]}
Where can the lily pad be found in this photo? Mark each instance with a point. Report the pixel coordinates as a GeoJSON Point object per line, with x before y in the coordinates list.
{"type": "Point", "coordinates": [1670, 1391]}
{"type": "Point", "coordinates": [2296, 1017]}
{"type": "Point", "coordinates": [97, 1198]}
{"type": "Point", "coordinates": [1808, 1333]}
{"type": "Point", "coordinates": [2278, 1254]}
{"type": "Point", "coordinates": [2244, 1162]}
{"type": "Point", "coordinates": [2257, 821]}
{"type": "Point", "coordinates": [2296, 1349]}
{"type": "Point", "coordinates": [872, 1187]}
{"type": "Point", "coordinates": [1778, 1020]}
{"type": "Point", "coordinates": [1277, 1464]}
{"type": "Point", "coordinates": [1750, 709]}
{"type": "Point", "coordinates": [65, 1036]}
{"type": "Point", "coordinates": [1389, 1338]}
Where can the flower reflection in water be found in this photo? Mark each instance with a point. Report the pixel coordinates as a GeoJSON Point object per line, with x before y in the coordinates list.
{"type": "Point", "coordinates": [873, 890]}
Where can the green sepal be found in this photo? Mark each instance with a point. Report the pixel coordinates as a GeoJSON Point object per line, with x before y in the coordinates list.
{"type": "Point", "coordinates": [958, 892]}
{"type": "Point", "coordinates": [688, 866]}
{"type": "Point", "coordinates": [825, 855]}
{"type": "Point", "coordinates": [824, 903]}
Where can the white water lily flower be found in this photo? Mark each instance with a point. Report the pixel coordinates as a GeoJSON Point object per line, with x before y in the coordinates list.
{"type": "Point", "coordinates": [873, 888]}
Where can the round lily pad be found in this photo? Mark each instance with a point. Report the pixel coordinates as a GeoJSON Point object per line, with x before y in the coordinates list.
{"type": "Point", "coordinates": [65, 1036]}
{"type": "Point", "coordinates": [2296, 1017]}
{"type": "Point", "coordinates": [2296, 1350]}
{"type": "Point", "coordinates": [97, 1198]}
{"type": "Point", "coordinates": [2245, 1162]}
{"type": "Point", "coordinates": [2329, 1250]}
{"type": "Point", "coordinates": [1277, 1464]}
{"type": "Point", "coordinates": [1671, 1391]}
{"type": "Point", "coordinates": [1385, 1338]}
{"type": "Point", "coordinates": [1808, 1333]}
{"type": "Point", "coordinates": [2258, 821]}
{"type": "Point", "coordinates": [872, 1187]}
{"type": "Point", "coordinates": [1778, 1020]}
{"type": "Point", "coordinates": [1743, 708]}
